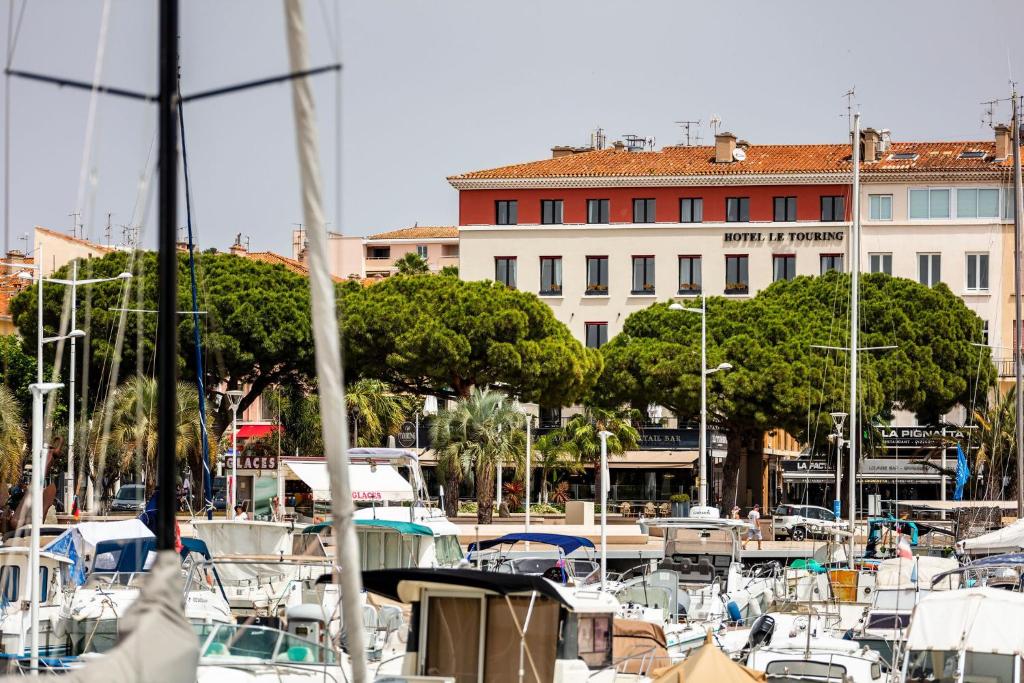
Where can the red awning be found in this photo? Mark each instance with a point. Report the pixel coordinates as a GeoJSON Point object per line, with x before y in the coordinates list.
{"type": "Point", "coordinates": [254, 431]}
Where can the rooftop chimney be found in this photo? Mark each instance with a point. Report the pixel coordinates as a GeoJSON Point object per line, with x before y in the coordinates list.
{"type": "Point", "coordinates": [1002, 141]}
{"type": "Point", "coordinates": [870, 138]}
{"type": "Point", "coordinates": [561, 151]}
{"type": "Point", "coordinates": [725, 145]}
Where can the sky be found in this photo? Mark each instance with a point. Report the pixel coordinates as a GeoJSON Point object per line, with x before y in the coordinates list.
{"type": "Point", "coordinates": [431, 88]}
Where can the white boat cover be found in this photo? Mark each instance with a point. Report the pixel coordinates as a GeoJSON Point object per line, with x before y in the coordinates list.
{"type": "Point", "coordinates": [917, 572]}
{"type": "Point", "coordinates": [369, 483]}
{"type": "Point", "coordinates": [229, 537]}
{"type": "Point", "coordinates": [976, 619]}
{"type": "Point", "coordinates": [1009, 539]}
{"type": "Point", "coordinates": [79, 542]}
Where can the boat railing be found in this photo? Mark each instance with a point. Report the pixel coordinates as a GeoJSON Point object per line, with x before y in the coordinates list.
{"type": "Point", "coordinates": [322, 672]}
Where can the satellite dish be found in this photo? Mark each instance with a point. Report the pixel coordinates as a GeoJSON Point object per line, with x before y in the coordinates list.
{"type": "Point", "coordinates": [739, 155]}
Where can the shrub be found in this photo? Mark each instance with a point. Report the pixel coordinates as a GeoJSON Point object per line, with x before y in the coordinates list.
{"type": "Point", "coordinates": [467, 507]}
{"type": "Point", "coordinates": [680, 498]}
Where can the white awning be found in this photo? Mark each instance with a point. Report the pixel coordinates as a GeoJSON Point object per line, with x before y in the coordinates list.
{"type": "Point", "coordinates": [1009, 539]}
{"type": "Point", "coordinates": [979, 617]}
{"type": "Point", "coordinates": [370, 483]}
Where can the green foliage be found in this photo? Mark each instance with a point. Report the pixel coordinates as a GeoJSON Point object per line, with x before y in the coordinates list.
{"type": "Point", "coordinates": [679, 498]}
{"type": "Point", "coordinates": [471, 439]}
{"type": "Point", "coordinates": [560, 495]}
{"type": "Point", "coordinates": [997, 446]}
{"type": "Point", "coordinates": [779, 381]}
{"type": "Point", "coordinates": [512, 495]}
{"type": "Point", "coordinates": [256, 330]}
{"type": "Point", "coordinates": [467, 507]}
{"type": "Point", "coordinates": [375, 411]}
{"type": "Point", "coordinates": [17, 371]}
{"type": "Point", "coordinates": [449, 271]}
{"type": "Point", "coordinates": [444, 336]}
{"type": "Point", "coordinates": [554, 457]}
{"type": "Point", "coordinates": [545, 509]}
{"type": "Point", "coordinates": [412, 264]}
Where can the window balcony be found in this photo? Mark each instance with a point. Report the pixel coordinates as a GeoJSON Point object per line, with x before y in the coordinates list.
{"type": "Point", "coordinates": [689, 289]}
{"type": "Point", "coordinates": [596, 289]}
{"type": "Point", "coordinates": [735, 288]}
{"type": "Point", "coordinates": [647, 290]}
{"type": "Point", "coordinates": [553, 290]}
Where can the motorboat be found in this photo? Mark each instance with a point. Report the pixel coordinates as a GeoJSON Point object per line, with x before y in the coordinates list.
{"type": "Point", "coordinates": [965, 635]}
{"type": "Point", "coordinates": [487, 626]}
{"type": "Point", "coordinates": [237, 653]}
{"type": "Point", "coordinates": [556, 564]}
{"type": "Point", "coordinates": [15, 592]}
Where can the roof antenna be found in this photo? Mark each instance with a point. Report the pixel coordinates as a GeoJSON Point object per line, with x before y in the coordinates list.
{"type": "Point", "coordinates": [851, 100]}
{"type": "Point", "coordinates": [74, 223]}
{"type": "Point", "coordinates": [686, 125]}
{"type": "Point", "coordinates": [988, 116]}
{"type": "Point", "coordinates": [715, 122]}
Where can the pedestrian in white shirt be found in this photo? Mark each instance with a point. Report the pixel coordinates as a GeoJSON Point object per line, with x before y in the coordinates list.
{"type": "Point", "coordinates": [754, 534]}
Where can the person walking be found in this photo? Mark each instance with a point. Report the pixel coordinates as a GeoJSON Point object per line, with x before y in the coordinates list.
{"type": "Point", "coordinates": [754, 534]}
{"type": "Point", "coordinates": [735, 514]}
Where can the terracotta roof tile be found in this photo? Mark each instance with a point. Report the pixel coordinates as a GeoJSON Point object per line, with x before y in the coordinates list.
{"type": "Point", "coordinates": [760, 160]}
{"type": "Point", "coordinates": [102, 248]}
{"type": "Point", "coordinates": [291, 264]}
{"type": "Point", "coordinates": [419, 232]}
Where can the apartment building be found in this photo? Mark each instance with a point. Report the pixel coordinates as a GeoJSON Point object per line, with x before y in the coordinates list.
{"type": "Point", "coordinates": [376, 256]}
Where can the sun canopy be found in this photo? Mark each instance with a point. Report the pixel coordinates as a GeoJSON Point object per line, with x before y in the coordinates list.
{"type": "Point", "coordinates": [1009, 539]}
{"type": "Point", "coordinates": [1008, 558]}
{"type": "Point", "coordinates": [403, 585]}
{"type": "Point", "coordinates": [919, 571]}
{"type": "Point", "coordinates": [567, 544]}
{"type": "Point", "coordinates": [976, 616]}
{"type": "Point", "coordinates": [369, 483]}
{"type": "Point", "coordinates": [708, 663]}
{"type": "Point", "coordinates": [102, 546]}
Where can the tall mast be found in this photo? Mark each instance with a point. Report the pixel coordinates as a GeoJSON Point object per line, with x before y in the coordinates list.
{"type": "Point", "coordinates": [330, 383]}
{"type": "Point", "coordinates": [1015, 143]}
{"type": "Point", "coordinates": [854, 331]}
{"type": "Point", "coordinates": [167, 344]}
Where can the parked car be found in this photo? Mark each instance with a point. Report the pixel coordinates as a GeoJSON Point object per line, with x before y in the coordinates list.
{"type": "Point", "coordinates": [129, 498]}
{"type": "Point", "coordinates": [797, 522]}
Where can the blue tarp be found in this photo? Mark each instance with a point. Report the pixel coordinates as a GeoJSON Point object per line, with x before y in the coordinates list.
{"type": "Point", "coordinates": [1007, 558]}
{"type": "Point", "coordinates": [567, 544]}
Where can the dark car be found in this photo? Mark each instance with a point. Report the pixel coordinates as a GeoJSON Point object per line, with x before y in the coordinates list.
{"type": "Point", "coordinates": [129, 498]}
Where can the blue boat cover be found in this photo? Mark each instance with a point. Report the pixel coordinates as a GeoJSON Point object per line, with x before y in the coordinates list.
{"type": "Point", "coordinates": [1007, 558]}
{"type": "Point", "coordinates": [567, 544]}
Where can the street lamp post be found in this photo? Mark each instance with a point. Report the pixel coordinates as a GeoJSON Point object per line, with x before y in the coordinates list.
{"type": "Point", "coordinates": [604, 434]}
{"type": "Point", "coordinates": [234, 398]}
{"type": "Point", "coordinates": [39, 390]}
{"type": "Point", "coordinates": [704, 372]}
{"type": "Point", "coordinates": [837, 420]}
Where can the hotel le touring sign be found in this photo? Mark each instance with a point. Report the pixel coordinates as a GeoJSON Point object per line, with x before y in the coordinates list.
{"type": "Point", "coordinates": [778, 237]}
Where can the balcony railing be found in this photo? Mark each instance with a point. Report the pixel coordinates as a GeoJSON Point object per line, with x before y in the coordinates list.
{"type": "Point", "coordinates": [1004, 367]}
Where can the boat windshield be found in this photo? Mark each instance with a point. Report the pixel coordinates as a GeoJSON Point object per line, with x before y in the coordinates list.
{"type": "Point", "coordinates": [941, 666]}
{"type": "Point", "coordinates": [895, 599]}
{"type": "Point", "coordinates": [261, 643]}
{"type": "Point", "coordinates": [800, 671]}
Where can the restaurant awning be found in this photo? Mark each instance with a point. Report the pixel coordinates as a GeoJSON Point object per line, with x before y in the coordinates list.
{"type": "Point", "coordinates": [255, 431]}
{"type": "Point", "coordinates": [638, 460]}
{"type": "Point", "coordinates": [369, 483]}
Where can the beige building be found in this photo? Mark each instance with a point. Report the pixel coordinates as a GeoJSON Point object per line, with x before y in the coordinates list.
{"type": "Point", "coordinates": [375, 256]}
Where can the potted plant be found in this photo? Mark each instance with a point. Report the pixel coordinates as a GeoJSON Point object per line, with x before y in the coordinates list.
{"type": "Point", "coordinates": [680, 505]}
{"type": "Point", "coordinates": [593, 288]}
{"type": "Point", "coordinates": [735, 288]}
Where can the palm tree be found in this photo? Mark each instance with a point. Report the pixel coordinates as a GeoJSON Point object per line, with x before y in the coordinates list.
{"type": "Point", "coordinates": [12, 437]}
{"type": "Point", "coordinates": [553, 455]}
{"type": "Point", "coordinates": [581, 436]}
{"type": "Point", "coordinates": [374, 410]}
{"type": "Point", "coordinates": [472, 439]}
{"type": "Point", "coordinates": [997, 444]}
{"type": "Point", "coordinates": [412, 264]}
{"type": "Point", "coordinates": [133, 428]}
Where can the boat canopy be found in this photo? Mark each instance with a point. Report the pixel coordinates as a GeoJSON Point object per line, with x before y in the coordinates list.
{"type": "Point", "coordinates": [1009, 539]}
{"type": "Point", "coordinates": [918, 572]}
{"type": "Point", "coordinates": [1005, 559]}
{"type": "Point", "coordinates": [229, 537]}
{"type": "Point", "coordinates": [370, 483]}
{"type": "Point", "coordinates": [407, 528]}
{"type": "Point", "coordinates": [973, 619]}
{"type": "Point", "coordinates": [567, 544]}
{"type": "Point", "coordinates": [405, 585]}
{"type": "Point", "coordinates": [101, 545]}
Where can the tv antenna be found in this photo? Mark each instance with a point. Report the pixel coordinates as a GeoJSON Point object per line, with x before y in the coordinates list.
{"type": "Point", "coordinates": [74, 223]}
{"type": "Point", "coordinates": [24, 238]}
{"type": "Point", "coordinates": [851, 99]}
{"type": "Point", "coordinates": [106, 231]}
{"type": "Point", "coordinates": [715, 122]}
{"type": "Point", "coordinates": [686, 125]}
{"type": "Point", "coordinates": [989, 114]}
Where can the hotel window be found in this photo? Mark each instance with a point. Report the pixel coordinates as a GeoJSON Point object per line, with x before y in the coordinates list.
{"type": "Point", "coordinates": [551, 211]}
{"type": "Point", "coordinates": [597, 211]}
{"type": "Point", "coordinates": [783, 267]}
{"type": "Point", "coordinates": [689, 275]}
{"type": "Point", "coordinates": [880, 263]}
{"type": "Point", "coordinates": [977, 272]}
{"type": "Point", "coordinates": [880, 207]}
{"type": "Point", "coordinates": [737, 209]}
{"type": "Point", "coordinates": [597, 275]}
{"type": "Point", "coordinates": [926, 204]}
{"type": "Point", "coordinates": [643, 275]}
{"type": "Point", "coordinates": [785, 209]}
{"type": "Point", "coordinates": [737, 274]}
{"type": "Point", "coordinates": [421, 250]}
{"type": "Point", "coordinates": [984, 332]}
{"type": "Point", "coordinates": [831, 262]}
{"type": "Point", "coordinates": [977, 203]}
{"type": "Point", "coordinates": [505, 270]}
{"type": "Point", "coordinates": [551, 275]}
{"type": "Point", "coordinates": [691, 210]}
{"type": "Point", "coordinates": [929, 269]}
{"type": "Point", "coordinates": [643, 210]}
{"type": "Point", "coordinates": [507, 211]}
{"type": "Point", "coordinates": [833, 208]}
{"type": "Point", "coordinates": [597, 335]}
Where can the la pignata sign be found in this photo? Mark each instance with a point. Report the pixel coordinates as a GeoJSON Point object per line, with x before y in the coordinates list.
{"type": "Point", "coordinates": [776, 237]}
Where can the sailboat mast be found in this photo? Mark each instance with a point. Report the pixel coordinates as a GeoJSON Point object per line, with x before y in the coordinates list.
{"type": "Point", "coordinates": [167, 344]}
{"type": "Point", "coordinates": [1019, 430]}
{"type": "Point", "coordinates": [854, 331]}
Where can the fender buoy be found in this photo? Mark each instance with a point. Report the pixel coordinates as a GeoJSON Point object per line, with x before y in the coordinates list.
{"type": "Point", "coordinates": [734, 611]}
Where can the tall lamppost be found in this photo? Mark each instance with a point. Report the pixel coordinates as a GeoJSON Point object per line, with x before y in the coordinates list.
{"type": "Point", "coordinates": [704, 372]}
{"type": "Point", "coordinates": [234, 398]}
{"type": "Point", "coordinates": [604, 434]}
{"type": "Point", "coordinates": [838, 419]}
{"type": "Point", "coordinates": [75, 283]}
{"type": "Point", "coordinates": [528, 417]}
{"type": "Point", "coordinates": [429, 409]}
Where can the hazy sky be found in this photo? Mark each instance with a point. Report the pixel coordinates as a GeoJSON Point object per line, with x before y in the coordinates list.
{"type": "Point", "coordinates": [437, 87]}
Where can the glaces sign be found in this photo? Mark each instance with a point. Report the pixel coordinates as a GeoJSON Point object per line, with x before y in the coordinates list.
{"type": "Point", "coordinates": [361, 496]}
{"type": "Point", "coordinates": [255, 462]}
{"type": "Point", "coordinates": [775, 237]}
